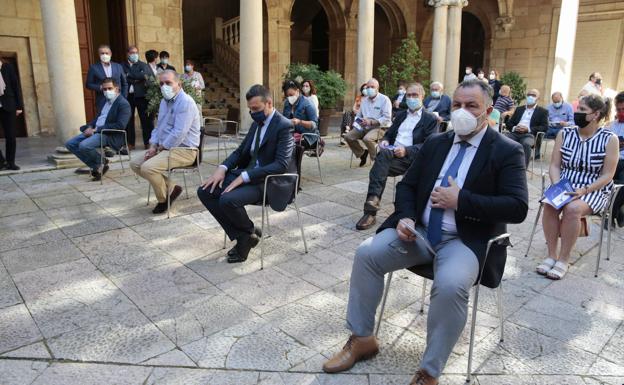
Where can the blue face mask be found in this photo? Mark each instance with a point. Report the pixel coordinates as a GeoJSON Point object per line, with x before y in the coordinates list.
{"type": "Point", "coordinates": [258, 116]}
{"type": "Point", "coordinates": [371, 92]}
{"type": "Point", "coordinates": [558, 104]}
{"type": "Point", "coordinates": [133, 57]}
{"type": "Point", "coordinates": [531, 100]}
{"type": "Point", "coordinates": [435, 94]}
{"type": "Point", "coordinates": [414, 104]}
{"type": "Point", "coordinates": [167, 92]}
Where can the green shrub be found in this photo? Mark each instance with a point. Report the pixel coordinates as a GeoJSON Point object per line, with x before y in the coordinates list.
{"type": "Point", "coordinates": [407, 64]}
{"type": "Point", "coordinates": [517, 84]}
{"type": "Point", "coordinates": [330, 86]}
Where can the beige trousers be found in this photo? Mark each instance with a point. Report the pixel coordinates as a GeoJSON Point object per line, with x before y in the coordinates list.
{"type": "Point", "coordinates": [370, 141]}
{"type": "Point", "coordinates": [154, 170]}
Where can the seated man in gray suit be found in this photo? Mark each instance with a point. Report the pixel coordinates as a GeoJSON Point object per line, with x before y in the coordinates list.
{"type": "Point", "coordinates": [114, 114]}
{"type": "Point", "coordinates": [239, 180]}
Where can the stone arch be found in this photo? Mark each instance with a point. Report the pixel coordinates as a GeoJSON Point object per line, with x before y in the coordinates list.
{"type": "Point", "coordinates": [398, 25]}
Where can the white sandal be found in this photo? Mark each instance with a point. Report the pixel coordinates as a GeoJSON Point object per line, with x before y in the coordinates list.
{"type": "Point", "coordinates": [544, 267]}
{"type": "Point", "coordinates": [558, 271]}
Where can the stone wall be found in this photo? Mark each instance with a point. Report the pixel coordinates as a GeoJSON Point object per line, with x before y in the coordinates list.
{"type": "Point", "coordinates": [21, 33]}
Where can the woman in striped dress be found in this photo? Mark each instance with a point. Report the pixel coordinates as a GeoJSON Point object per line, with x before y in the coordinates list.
{"type": "Point", "coordinates": [587, 155]}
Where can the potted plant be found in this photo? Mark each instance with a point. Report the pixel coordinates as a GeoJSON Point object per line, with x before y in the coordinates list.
{"type": "Point", "coordinates": [330, 89]}
{"type": "Point", "coordinates": [406, 63]}
{"type": "Point", "coordinates": [517, 84]}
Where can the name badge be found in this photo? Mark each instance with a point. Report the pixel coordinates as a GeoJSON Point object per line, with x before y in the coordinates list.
{"type": "Point", "coordinates": [378, 108]}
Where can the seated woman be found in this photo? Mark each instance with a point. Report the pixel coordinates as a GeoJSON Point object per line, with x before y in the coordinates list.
{"type": "Point", "coordinates": [304, 118]}
{"type": "Point", "coordinates": [349, 116]}
{"type": "Point", "coordinates": [587, 155]}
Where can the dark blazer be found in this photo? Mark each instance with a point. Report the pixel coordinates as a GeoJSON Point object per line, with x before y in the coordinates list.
{"type": "Point", "coordinates": [117, 119]}
{"type": "Point", "coordinates": [137, 76]}
{"type": "Point", "coordinates": [95, 76]}
{"type": "Point", "coordinates": [275, 150]}
{"type": "Point", "coordinates": [443, 108]}
{"type": "Point", "coordinates": [165, 67]}
{"type": "Point", "coordinates": [427, 125]}
{"type": "Point", "coordinates": [402, 105]}
{"type": "Point", "coordinates": [12, 98]}
{"type": "Point", "coordinates": [494, 193]}
{"type": "Point", "coordinates": [539, 120]}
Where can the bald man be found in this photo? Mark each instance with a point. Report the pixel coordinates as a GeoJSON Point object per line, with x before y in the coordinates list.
{"type": "Point", "coordinates": [526, 122]}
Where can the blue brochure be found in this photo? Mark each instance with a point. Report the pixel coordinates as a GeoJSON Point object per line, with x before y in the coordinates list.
{"type": "Point", "coordinates": [556, 195]}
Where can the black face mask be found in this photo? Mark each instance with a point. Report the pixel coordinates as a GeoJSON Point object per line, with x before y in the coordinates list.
{"type": "Point", "coordinates": [598, 81]}
{"type": "Point", "coordinates": [580, 119]}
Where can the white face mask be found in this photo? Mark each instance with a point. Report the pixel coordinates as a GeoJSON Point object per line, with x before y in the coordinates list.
{"type": "Point", "coordinates": [105, 58]}
{"type": "Point", "coordinates": [464, 123]}
{"type": "Point", "coordinates": [306, 90]}
{"type": "Point", "coordinates": [110, 94]}
{"type": "Point", "coordinates": [292, 99]}
{"type": "Point", "coordinates": [167, 92]}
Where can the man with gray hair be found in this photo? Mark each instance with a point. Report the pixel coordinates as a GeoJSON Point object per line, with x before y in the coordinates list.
{"type": "Point", "coordinates": [438, 102]}
{"type": "Point", "coordinates": [397, 150]}
{"type": "Point", "coordinates": [375, 114]}
{"type": "Point", "coordinates": [460, 191]}
{"type": "Point", "coordinates": [178, 126]}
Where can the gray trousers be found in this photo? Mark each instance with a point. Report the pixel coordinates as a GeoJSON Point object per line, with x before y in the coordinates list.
{"type": "Point", "coordinates": [455, 268]}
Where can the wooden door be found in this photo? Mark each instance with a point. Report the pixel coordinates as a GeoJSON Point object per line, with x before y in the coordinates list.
{"type": "Point", "coordinates": [21, 121]}
{"type": "Point", "coordinates": [83, 20]}
{"type": "Point", "coordinates": [117, 29]}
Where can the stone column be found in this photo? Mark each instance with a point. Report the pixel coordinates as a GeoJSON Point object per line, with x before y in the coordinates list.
{"type": "Point", "coordinates": [63, 55]}
{"type": "Point", "coordinates": [564, 51]}
{"type": "Point", "coordinates": [251, 56]}
{"type": "Point", "coordinates": [453, 44]}
{"type": "Point", "coordinates": [365, 40]}
{"type": "Point", "coordinates": [438, 51]}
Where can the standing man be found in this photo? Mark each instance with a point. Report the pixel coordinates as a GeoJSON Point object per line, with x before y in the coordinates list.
{"type": "Point", "coordinates": [462, 189]}
{"type": "Point", "coordinates": [10, 108]}
{"type": "Point", "coordinates": [560, 114]}
{"type": "Point", "coordinates": [102, 70]}
{"type": "Point", "coordinates": [137, 74]}
{"type": "Point", "coordinates": [397, 150]}
{"type": "Point", "coordinates": [239, 180]}
{"type": "Point", "coordinates": [469, 74]}
{"type": "Point", "coordinates": [164, 62]}
{"type": "Point", "coordinates": [114, 115]}
{"type": "Point", "coordinates": [594, 85]}
{"type": "Point", "coordinates": [178, 126]}
{"type": "Point", "coordinates": [526, 122]}
{"type": "Point", "coordinates": [151, 56]}
{"type": "Point", "coordinates": [375, 115]}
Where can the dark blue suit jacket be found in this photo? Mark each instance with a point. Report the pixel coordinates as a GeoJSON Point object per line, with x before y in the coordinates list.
{"type": "Point", "coordinates": [427, 125]}
{"type": "Point", "coordinates": [137, 75]}
{"type": "Point", "coordinates": [95, 76]}
{"type": "Point", "coordinates": [117, 119]}
{"type": "Point", "coordinates": [274, 154]}
{"type": "Point", "coordinates": [494, 193]}
{"type": "Point", "coordinates": [443, 108]}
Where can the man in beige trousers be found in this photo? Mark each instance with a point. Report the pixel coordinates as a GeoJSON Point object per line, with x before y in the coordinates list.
{"type": "Point", "coordinates": [174, 141]}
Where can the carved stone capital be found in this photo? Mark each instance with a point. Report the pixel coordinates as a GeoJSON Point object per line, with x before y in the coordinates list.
{"type": "Point", "coordinates": [504, 23]}
{"type": "Point", "coordinates": [440, 3]}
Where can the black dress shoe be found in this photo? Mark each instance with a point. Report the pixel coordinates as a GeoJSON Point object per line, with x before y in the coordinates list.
{"type": "Point", "coordinates": [3, 165]}
{"type": "Point", "coordinates": [175, 193]}
{"type": "Point", "coordinates": [12, 166]}
{"type": "Point", "coordinates": [160, 208]}
{"type": "Point", "coordinates": [372, 204]}
{"type": "Point", "coordinates": [109, 153]}
{"type": "Point", "coordinates": [123, 151]}
{"type": "Point", "coordinates": [96, 176]}
{"type": "Point", "coordinates": [244, 244]}
{"type": "Point", "coordinates": [254, 241]}
{"type": "Point", "coordinates": [366, 222]}
{"type": "Point", "coordinates": [363, 158]}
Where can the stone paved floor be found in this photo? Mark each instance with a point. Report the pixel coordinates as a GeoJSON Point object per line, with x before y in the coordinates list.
{"type": "Point", "coordinates": [94, 289]}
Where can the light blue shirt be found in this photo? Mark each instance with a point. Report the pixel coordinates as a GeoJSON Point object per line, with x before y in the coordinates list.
{"type": "Point", "coordinates": [101, 120]}
{"type": "Point", "coordinates": [561, 114]}
{"type": "Point", "coordinates": [618, 129]}
{"type": "Point", "coordinates": [178, 123]}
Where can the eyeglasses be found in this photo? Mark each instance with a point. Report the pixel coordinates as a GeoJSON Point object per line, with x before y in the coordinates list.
{"type": "Point", "coordinates": [532, 95]}
{"type": "Point", "coordinates": [412, 95]}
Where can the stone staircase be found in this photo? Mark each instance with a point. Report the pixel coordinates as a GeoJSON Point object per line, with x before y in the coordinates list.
{"type": "Point", "coordinates": [221, 93]}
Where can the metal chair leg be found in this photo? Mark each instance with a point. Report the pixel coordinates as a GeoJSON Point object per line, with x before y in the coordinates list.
{"type": "Point", "coordinates": [604, 219]}
{"type": "Point", "coordinates": [499, 294]}
{"type": "Point", "coordinates": [318, 162]}
{"type": "Point", "coordinates": [305, 244]}
{"type": "Point", "coordinates": [262, 237]}
{"type": "Point", "coordinates": [539, 211]}
{"type": "Point", "coordinates": [185, 188]}
{"type": "Point", "coordinates": [224, 239]}
{"type": "Point", "coordinates": [102, 157]}
{"type": "Point", "coordinates": [423, 296]}
{"type": "Point", "coordinates": [609, 237]}
{"type": "Point", "coordinates": [168, 196]}
{"type": "Point", "coordinates": [383, 302]}
{"type": "Point", "coordinates": [472, 335]}
{"type": "Point", "coordinates": [268, 224]}
{"type": "Point", "coordinates": [149, 189]}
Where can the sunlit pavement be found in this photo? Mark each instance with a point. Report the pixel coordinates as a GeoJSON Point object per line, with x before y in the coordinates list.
{"type": "Point", "coordinates": [95, 289]}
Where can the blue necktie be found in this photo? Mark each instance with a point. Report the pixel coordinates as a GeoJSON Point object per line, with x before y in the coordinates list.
{"type": "Point", "coordinates": [434, 228]}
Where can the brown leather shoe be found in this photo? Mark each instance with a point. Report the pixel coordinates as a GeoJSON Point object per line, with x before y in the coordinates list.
{"type": "Point", "coordinates": [366, 222]}
{"type": "Point", "coordinates": [356, 349]}
{"type": "Point", "coordinates": [423, 378]}
{"type": "Point", "coordinates": [372, 203]}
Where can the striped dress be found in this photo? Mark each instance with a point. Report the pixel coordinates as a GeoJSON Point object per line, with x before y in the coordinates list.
{"type": "Point", "coordinates": [582, 162]}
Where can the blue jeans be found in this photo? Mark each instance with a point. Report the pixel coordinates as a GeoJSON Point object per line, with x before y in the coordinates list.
{"type": "Point", "coordinates": [85, 148]}
{"type": "Point", "coordinates": [552, 132]}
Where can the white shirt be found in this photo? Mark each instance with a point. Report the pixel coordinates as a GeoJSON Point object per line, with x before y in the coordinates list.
{"type": "Point", "coordinates": [526, 116]}
{"type": "Point", "coordinates": [405, 135]}
{"type": "Point", "coordinates": [131, 89]}
{"type": "Point", "coordinates": [400, 97]}
{"type": "Point", "coordinates": [591, 88]}
{"type": "Point", "coordinates": [618, 129]}
{"type": "Point", "coordinates": [378, 108]}
{"type": "Point", "coordinates": [315, 102]}
{"type": "Point", "coordinates": [448, 219]}
{"type": "Point", "coordinates": [154, 69]}
{"type": "Point", "coordinates": [108, 69]}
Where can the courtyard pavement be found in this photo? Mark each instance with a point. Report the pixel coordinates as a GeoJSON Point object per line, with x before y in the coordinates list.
{"type": "Point", "coordinates": [94, 289]}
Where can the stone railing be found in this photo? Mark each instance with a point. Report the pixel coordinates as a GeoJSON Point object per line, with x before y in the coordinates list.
{"type": "Point", "coordinates": [227, 59]}
{"type": "Point", "coordinates": [231, 32]}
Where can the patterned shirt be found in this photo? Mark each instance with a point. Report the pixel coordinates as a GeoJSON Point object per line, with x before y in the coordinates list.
{"type": "Point", "coordinates": [504, 103]}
